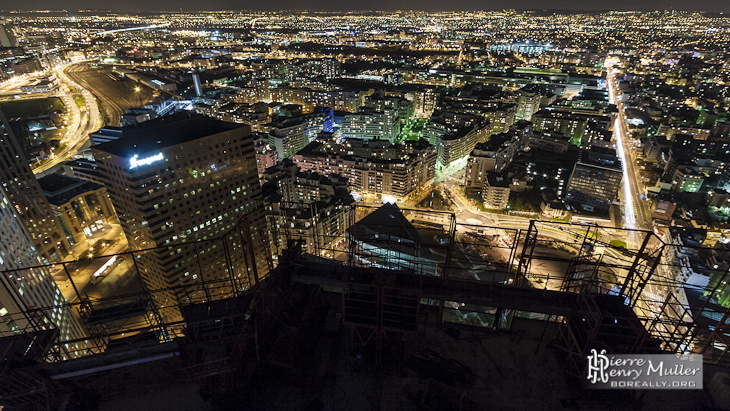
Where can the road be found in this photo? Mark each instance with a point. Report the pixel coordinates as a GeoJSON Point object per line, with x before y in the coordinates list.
{"type": "Point", "coordinates": [635, 213]}
{"type": "Point", "coordinates": [81, 121]}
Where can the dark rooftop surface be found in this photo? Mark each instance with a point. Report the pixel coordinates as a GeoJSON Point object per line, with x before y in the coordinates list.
{"type": "Point", "coordinates": [600, 156]}
{"type": "Point", "coordinates": [59, 189]}
{"type": "Point", "coordinates": [164, 132]}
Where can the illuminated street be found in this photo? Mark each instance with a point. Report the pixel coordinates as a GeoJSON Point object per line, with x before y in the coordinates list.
{"type": "Point", "coordinates": [393, 208]}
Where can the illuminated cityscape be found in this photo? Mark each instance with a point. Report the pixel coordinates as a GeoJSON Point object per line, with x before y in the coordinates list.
{"type": "Point", "coordinates": [392, 210]}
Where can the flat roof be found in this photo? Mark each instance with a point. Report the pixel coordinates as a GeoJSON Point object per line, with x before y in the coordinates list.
{"type": "Point", "coordinates": [60, 189]}
{"type": "Point", "coordinates": [164, 132]}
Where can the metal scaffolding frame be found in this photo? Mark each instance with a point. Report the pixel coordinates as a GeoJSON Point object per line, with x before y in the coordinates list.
{"type": "Point", "coordinates": [655, 316]}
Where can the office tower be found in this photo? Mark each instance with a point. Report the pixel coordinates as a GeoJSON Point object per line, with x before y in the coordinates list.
{"type": "Point", "coordinates": [180, 179]}
{"type": "Point", "coordinates": [23, 290]}
{"type": "Point", "coordinates": [595, 180]}
{"type": "Point", "coordinates": [26, 196]}
{"type": "Point", "coordinates": [7, 38]}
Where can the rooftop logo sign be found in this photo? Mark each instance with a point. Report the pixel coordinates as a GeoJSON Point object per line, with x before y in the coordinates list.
{"type": "Point", "coordinates": [644, 371]}
{"type": "Point", "coordinates": [135, 161]}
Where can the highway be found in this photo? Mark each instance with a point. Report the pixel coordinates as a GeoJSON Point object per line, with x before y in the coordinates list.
{"type": "Point", "coordinates": [80, 122]}
{"type": "Point", "coordinates": [77, 79]}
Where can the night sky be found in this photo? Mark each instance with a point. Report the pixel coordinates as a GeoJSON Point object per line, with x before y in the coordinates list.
{"type": "Point", "coordinates": [428, 5]}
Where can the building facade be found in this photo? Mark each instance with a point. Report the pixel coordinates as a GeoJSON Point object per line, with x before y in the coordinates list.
{"type": "Point", "coordinates": [496, 191]}
{"type": "Point", "coordinates": [595, 180]}
{"type": "Point", "coordinates": [25, 195]}
{"type": "Point", "coordinates": [22, 290]}
{"type": "Point", "coordinates": [373, 168]}
{"type": "Point", "coordinates": [179, 179]}
{"type": "Point", "coordinates": [306, 206]}
{"type": "Point", "coordinates": [82, 207]}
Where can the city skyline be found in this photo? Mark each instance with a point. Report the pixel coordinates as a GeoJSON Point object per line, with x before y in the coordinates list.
{"type": "Point", "coordinates": [369, 210]}
{"type": "Point", "coordinates": [567, 6]}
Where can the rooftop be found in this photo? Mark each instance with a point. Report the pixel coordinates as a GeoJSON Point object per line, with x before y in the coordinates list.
{"type": "Point", "coordinates": [60, 189]}
{"type": "Point", "coordinates": [164, 132]}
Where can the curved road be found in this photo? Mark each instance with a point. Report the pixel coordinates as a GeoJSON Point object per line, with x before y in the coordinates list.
{"type": "Point", "coordinates": [115, 95]}
{"type": "Point", "coordinates": [81, 122]}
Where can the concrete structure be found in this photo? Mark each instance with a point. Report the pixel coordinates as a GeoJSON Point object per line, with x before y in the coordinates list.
{"type": "Point", "coordinates": [548, 141]}
{"type": "Point", "coordinates": [453, 149]}
{"type": "Point", "coordinates": [686, 179]}
{"type": "Point", "coordinates": [595, 180]}
{"type": "Point", "coordinates": [373, 168]}
{"type": "Point", "coordinates": [670, 131]}
{"type": "Point", "coordinates": [83, 169]}
{"type": "Point", "coordinates": [7, 38]}
{"type": "Point", "coordinates": [381, 102]}
{"type": "Point", "coordinates": [181, 178]}
{"type": "Point", "coordinates": [26, 197]}
{"type": "Point", "coordinates": [554, 209]}
{"type": "Point", "coordinates": [307, 206]}
{"type": "Point", "coordinates": [26, 65]}
{"type": "Point", "coordinates": [368, 124]}
{"type": "Point", "coordinates": [492, 156]}
{"type": "Point", "coordinates": [528, 103]}
{"type": "Point", "coordinates": [424, 101]}
{"type": "Point", "coordinates": [718, 198]}
{"type": "Point", "coordinates": [570, 122]}
{"type": "Point", "coordinates": [664, 211]}
{"type": "Point", "coordinates": [82, 207]}
{"type": "Point", "coordinates": [28, 289]}
{"type": "Point", "coordinates": [105, 135]}
{"type": "Point", "coordinates": [496, 191]}
{"type": "Point", "coordinates": [266, 154]}
{"type": "Point", "coordinates": [291, 135]}
{"type": "Point", "coordinates": [136, 115]}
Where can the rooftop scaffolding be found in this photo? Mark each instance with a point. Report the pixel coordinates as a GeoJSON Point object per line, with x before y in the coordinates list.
{"type": "Point", "coordinates": [601, 294]}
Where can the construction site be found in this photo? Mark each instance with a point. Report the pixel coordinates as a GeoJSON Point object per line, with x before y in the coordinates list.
{"type": "Point", "coordinates": [400, 309]}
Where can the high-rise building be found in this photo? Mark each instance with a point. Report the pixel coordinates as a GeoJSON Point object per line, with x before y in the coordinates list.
{"type": "Point", "coordinates": [178, 179]}
{"type": "Point", "coordinates": [7, 38]}
{"type": "Point", "coordinates": [595, 180]}
{"type": "Point", "coordinates": [22, 290]}
{"type": "Point", "coordinates": [25, 195]}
